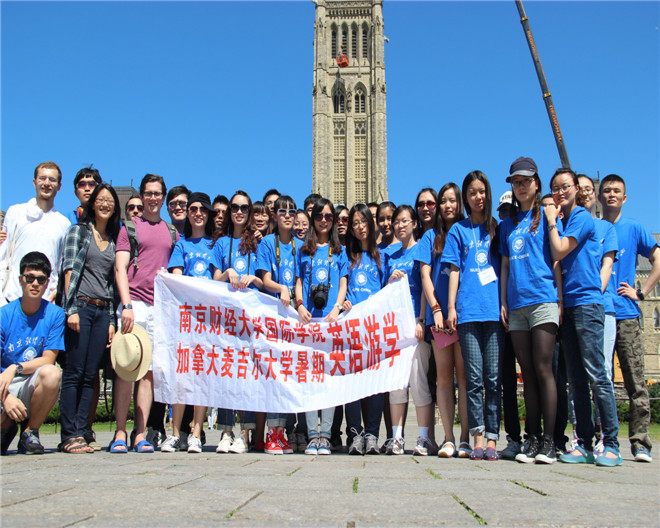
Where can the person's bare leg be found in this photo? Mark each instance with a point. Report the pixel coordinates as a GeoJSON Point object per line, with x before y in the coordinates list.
{"type": "Point", "coordinates": [260, 429]}
{"type": "Point", "coordinates": [123, 391]}
{"type": "Point", "coordinates": [459, 366]}
{"type": "Point", "coordinates": [46, 392]}
{"type": "Point", "coordinates": [177, 417]}
{"type": "Point", "coordinates": [198, 420]}
{"type": "Point", "coordinates": [444, 361]}
{"type": "Point", "coordinates": [145, 396]}
{"type": "Point", "coordinates": [397, 412]}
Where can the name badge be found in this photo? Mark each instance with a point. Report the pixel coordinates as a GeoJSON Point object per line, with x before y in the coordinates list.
{"type": "Point", "coordinates": [487, 276]}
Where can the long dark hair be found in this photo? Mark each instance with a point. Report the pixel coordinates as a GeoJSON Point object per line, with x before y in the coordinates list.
{"type": "Point", "coordinates": [208, 228]}
{"type": "Point", "coordinates": [489, 222]}
{"type": "Point", "coordinates": [311, 240]}
{"type": "Point", "coordinates": [579, 199]}
{"type": "Point", "coordinates": [284, 202]}
{"type": "Point", "coordinates": [248, 241]}
{"type": "Point", "coordinates": [441, 229]}
{"type": "Point", "coordinates": [88, 215]}
{"type": "Point", "coordinates": [420, 227]}
{"type": "Point", "coordinates": [353, 246]}
{"type": "Point", "coordinates": [536, 207]}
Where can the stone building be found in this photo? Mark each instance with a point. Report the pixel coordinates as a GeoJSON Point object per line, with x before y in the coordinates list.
{"type": "Point", "coordinates": [650, 320]}
{"type": "Point", "coordinates": [349, 112]}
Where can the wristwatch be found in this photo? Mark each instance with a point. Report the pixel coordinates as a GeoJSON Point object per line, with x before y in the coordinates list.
{"type": "Point", "coordinates": [640, 295]}
{"type": "Point", "coordinates": [128, 306]}
{"type": "Point", "coordinates": [19, 369]}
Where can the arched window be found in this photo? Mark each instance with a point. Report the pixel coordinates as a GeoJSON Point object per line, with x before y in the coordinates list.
{"type": "Point", "coordinates": [339, 102]}
{"type": "Point", "coordinates": [344, 40]}
{"type": "Point", "coordinates": [656, 318]}
{"type": "Point", "coordinates": [365, 39]}
{"type": "Point", "coordinates": [360, 107]}
{"type": "Point", "coordinates": [354, 42]}
{"type": "Point", "coordinates": [334, 43]}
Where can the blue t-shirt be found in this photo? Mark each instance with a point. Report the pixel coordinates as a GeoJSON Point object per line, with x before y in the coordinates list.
{"type": "Point", "coordinates": [25, 338]}
{"type": "Point", "coordinates": [267, 260]}
{"type": "Point", "coordinates": [241, 264]}
{"type": "Point", "coordinates": [439, 272]}
{"type": "Point", "coordinates": [581, 267]}
{"type": "Point", "coordinates": [468, 248]}
{"type": "Point", "coordinates": [608, 242]}
{"type": "Point", "coordinates": [386, 249]}
{"type": "Point", "coordinates": [194, 256]}
{"type": "Point", "coordinates": [406, 261]}
{"type": "Point", "coordinates": [318, 271]}
{"type": "Point", "coordinates": [633, 240]}
{"type": "Point", "coordinates": [365, 279]}
{"type": "Point", "coordinates": [530, 264]}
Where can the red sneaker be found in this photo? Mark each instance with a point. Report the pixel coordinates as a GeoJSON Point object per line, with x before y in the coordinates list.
{"type": "Point", "coordinates": [273, 447]}
{"type": "Point", "coordinates": [284, 444]}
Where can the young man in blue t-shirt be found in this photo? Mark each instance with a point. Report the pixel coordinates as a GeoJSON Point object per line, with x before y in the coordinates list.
{"type": "Point", "coordinates": [633, 240]}
{"type": "Point", "coordinates": [32, 334]}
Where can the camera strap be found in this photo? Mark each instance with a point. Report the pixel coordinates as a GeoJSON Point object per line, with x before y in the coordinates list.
{"type": "Point", "coordinates": [278, 260]}
{"type": "Point", "coordinates": [231, 251]}
{"type": "Point", "coordinates": [311, 269]}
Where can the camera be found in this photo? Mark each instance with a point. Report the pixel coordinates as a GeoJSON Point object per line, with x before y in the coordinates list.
{"type": "Point", "coordinates": [320, 295]}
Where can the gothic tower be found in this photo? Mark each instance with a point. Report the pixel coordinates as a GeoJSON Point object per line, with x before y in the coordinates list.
{"type": "Point", "coordinates": [350, 143]}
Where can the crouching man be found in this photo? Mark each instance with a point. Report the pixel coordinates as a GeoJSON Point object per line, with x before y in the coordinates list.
{"type": "Point", "coordinates": [32, 335]}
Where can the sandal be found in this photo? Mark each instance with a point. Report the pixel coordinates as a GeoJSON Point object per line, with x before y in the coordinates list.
{"type": "Point", "coordinates": [143, 447]}
{"type": "Point", "coordinates": [117, 446]}
{"type": "Point", "coordinates": [448, 450]}
{"type": "Point", "coordinates": [76, 445]}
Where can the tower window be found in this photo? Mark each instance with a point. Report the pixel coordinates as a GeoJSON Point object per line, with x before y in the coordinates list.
{"type": "Point", "coordinates": [365, 33]}
{"type": "Point", "coordinates": [354, 42]}
{"type": "Point", "coordinates": [334, 43]}
{"type": "Point", "coordinates": [359, 101]}
{"type": "Point", "coordinates": [344, 41]}
{"type": "Point", "coordinates": [656, 318]}
{"type": "Point", "coordinates": [339, 103]}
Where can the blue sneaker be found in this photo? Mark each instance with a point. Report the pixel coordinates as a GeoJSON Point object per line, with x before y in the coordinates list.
{"type": "Point", "coordinates": [312, 447]}
{"type": "Point", "coordinates": [604, 460]}
{"type": "Point", "coordinates": [642, 454]}
{"type": "Point", "coordinates": [578, 456]}
{"type": "Point", "coordinates": [29, 443]}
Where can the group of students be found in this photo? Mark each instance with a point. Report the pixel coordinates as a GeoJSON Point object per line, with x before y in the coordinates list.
{"type": "Point", "coordinates": [548, 267]}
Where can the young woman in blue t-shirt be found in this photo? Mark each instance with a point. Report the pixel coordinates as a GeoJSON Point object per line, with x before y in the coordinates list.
{"type": "Point", "coordinates": [579, 251]}
{"type": "Point", "coordinates": [192, 257]}
{"type": "Point", "coordinates": [320, 292]}
{"type": "Point", "coordinates": [474, 310]}
{"type": "Point", "coordinates": [449, 359]}
{"type": "Point", "coordinates": [530, 309]}
{"type": "Point", "coordinates": [365, 277]}
{"type": "Point", "coordinates": [388, 242]}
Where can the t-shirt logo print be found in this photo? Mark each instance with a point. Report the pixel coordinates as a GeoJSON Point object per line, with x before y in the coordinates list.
{"type": "Point", "coordinates": [321, 274]}
{"type": "Point", "coordinates": [481, 257]}
{"type": "Point", "coordinates": [518, 244]}
{"type": "Point", "coordinates": [288, 276]}
{"type": "Point", "coordinates": [199, 267]}
{"type": "Point", "coordinates": [240, 265]}
{"type": "Point", "coordinates": [361, 278]}
{"type": "Point", "coordinates": [29, 354]}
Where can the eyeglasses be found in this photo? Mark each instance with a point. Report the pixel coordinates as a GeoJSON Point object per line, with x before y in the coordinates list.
{"type": "Point", "coordinates": [177, 203]}
{"type": "Point", "coordinates": [243, 208]}
{"type": "Point", "coordinates": [152, 194]}
{"type": "Point", "coordinates": [402, 223]}
{"type": "Point", "coordinates": [522, 182]}
{"type": "Point", "coordinates": [319, 217]}
{"type": "Point", "coordinates": [194, 209]}
{"type": "Point", "coordinates": [358, 223]}
{"type": "Point", "coordinates": [586, 190]}
{"type": "Point", "coordinates": [342, 220]}
{"type": "Point", "coordinates": [132, 207]}
{"type": "Point", "coordinates": [86, 184]}
{"type": "Point", "coordinates": [29, 278]}
{"type": "Point", "coordinates": [426, 205]}
{"type": "Point", "coordinates": [105, 201]}
{"type": "Point", "coordinates": [284, 212]}
{"type": "Point", "coordinates": [563, 189]}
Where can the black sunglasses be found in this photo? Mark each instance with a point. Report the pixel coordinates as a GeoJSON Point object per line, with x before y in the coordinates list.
{"type": "Point", "coordinates": [244, 208]}
{"type": "Point", "coordinates": [329, 217]}
{"type": "Point", "coordinates": [29, 278]}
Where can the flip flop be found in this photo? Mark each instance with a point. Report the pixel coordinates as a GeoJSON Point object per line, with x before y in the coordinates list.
{"type": "Point", "coordinates": [114, 447]}
{"type": "Point", "coordinates": [144, 447]}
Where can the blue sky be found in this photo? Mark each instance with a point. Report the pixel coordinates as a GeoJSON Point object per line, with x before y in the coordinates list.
{"type": "Point", "coordinates": [218, 95]}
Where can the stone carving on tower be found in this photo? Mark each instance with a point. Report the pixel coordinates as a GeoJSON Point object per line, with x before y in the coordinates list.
{"type": "Point", "coordinates": [349, 111]}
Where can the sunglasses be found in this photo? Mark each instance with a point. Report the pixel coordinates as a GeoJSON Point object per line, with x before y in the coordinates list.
{"type": "Point", "coordinates": [243, 208]}
{"type": "Point", "coordinates": [284, 212]}
{"type": "Point", "coordinates": [132, 207]}
{"type": "Point", "coordinates": [329, 217]}
{"type": "Point", "coordinates": [194, 209]}
{"type": "Point", "coordinates": [342, 220]}
{"type": "Point", "coordinates": [178, 203]}
{"type": "Point", "coordinates": [428, 205]}
{"type": "Point", "coordinates": [86, 184]}
{"type": "Point", "coordinates": [29, 278]}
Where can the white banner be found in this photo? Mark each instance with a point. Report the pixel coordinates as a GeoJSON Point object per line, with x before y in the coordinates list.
{"type": "Point", "coordinates": [243, 350]}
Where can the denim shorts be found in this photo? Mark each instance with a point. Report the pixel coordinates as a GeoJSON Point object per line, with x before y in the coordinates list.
{"type": "Point", "coordinates": [528, 317]}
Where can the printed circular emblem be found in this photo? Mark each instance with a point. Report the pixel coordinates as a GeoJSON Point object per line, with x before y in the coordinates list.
{"type": "Point", "coordinates": [321, 274]}
{"type": "Point", "coordinates": [519, 244]}
{"type": "Point", "coordinates": [199, 267]}
{"type": "Point", "coordinates": [361, 278]}
{"type": "Point", "coordinates": [481, 257]}
{"type": "Point", "coordinates": [29, 354]}
{"type": "Point", "coordinates": [240, 265]}
{"type": "Point", "coordinates": [288, 276]}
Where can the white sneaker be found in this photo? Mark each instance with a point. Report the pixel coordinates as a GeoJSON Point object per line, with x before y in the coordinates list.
{"type": "Point", "coordinates": [170, 445]}
{"type": "Point", "coordinates": [397, 447]}
{"type": "Point", "coordinates": [323, 447]}
{"type": "Point", "coordinates": [239, 446]}
{"type": "Point", "coordinates": [224, 445]}
{"type": "Point", "coordinates": [312, 447]}
{"type": "Point", "coordinates": [425, 447]}
{"type": "Point", "coordinates": [600, 448]}
{"type": "Point", "coordinates": [194, 445]}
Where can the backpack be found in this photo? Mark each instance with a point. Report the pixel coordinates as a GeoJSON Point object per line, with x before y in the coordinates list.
{"type": "Point", "coordinates": [135, 242]}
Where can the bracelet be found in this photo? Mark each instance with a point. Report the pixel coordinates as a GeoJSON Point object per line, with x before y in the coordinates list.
{"type": "Point", "coordinates": [551, 227]}
{"type": "Point", "coordinates": [420, 320]}
{"type": "Point", "coordinates": [298, 303]}
{"type": "Point", "coordinates": [435, 307]}
{"type": "Point", "coordinates": [338, 306]}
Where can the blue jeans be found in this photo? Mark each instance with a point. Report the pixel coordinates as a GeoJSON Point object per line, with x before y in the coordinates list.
{"type": "Point", "coordinates": [312, 418]}
{"type": "Point", "coordinates": [481, 346]}
{"type": "Point", "coordinates": [375, 404]}
{"type": "Point", "coordinates": [583, 330]}
{"type": "Point", "coordinates": [227, 419]}
{"type": "Point", "coordinates": [84, 351]}
{"type": "Point", "coordinates": [276, 419]}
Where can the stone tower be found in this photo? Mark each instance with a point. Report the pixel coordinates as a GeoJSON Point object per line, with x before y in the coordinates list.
{"type": "Point", "coordinates": [350, 141]}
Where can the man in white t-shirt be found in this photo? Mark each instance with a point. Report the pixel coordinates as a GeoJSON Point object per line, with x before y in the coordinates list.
{"type": "Point", "coordinates": [34, 226]}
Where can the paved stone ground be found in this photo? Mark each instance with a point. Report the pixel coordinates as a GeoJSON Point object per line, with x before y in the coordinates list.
{"type": "Point", "coordinates": [178, 489]}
